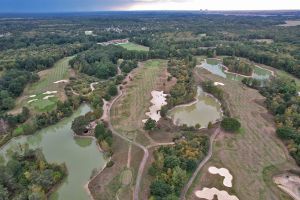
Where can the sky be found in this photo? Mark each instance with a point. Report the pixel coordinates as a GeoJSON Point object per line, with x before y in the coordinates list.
{"type": "Point", "coordinates": [100, 5]}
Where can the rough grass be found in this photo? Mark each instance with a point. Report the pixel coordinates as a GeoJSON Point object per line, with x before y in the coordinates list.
{"type": "Point", "coordinates": [129, 111]}
{"type": "Point", "coordinates": [134, 47]}
{"type": "Point", "coordinates": [249, 153]}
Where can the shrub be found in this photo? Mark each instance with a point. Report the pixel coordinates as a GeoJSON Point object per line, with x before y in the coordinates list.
{"type": "Point", "coordinates": [230, 124]}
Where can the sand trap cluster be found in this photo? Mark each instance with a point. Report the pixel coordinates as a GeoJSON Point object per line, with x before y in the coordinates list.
{"type": "Point", "coordinates": [218, 83]}
{"type": "Point", "coordinates": [50, 92]}
{"type": "Point", "coordinates": [209, 193]}
{"type": "Point", "coordinates": [31, 96]}
{"type": "Point", "coordinates": [49, 96]}
{"type": "Point", "coordinates": [61, 81]}
{"type": "Point", "coordinates": [158, 100]}
{"type": "Point", "coordinates": [222, 172]}
{"type": "Point", "coordinates": [32, 100]}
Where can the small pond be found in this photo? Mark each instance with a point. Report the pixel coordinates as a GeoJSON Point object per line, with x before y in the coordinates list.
{"type": "Point", "coordinates": [58, 144]}
{"type": "Point", "coordinates": [215, 66]}
{"type": "Point", "coordinates": [202, 111]}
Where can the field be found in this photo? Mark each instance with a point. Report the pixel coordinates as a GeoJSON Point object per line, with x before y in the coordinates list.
{"type": "Point", "coordinates": [46, 83]}
{"type": "Point", "coordinates": [127, 114]}
{"type": "Point", "coordinates": [291, 23]}
{"type": "Point", "coordinates": [254, 155]}
{"type": "Point", "coordinates": [134, 47]}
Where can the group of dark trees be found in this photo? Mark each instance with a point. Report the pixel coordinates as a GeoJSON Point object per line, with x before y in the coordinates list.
{"type": "Point", "coordinates": [12, 84]}
{"type": "Point", "coordinates": [184, 90]}
{"type": "Point", "coordinates": [173, 165]}
{"type": "Point", "coordinates": [237, 65]}
{"type": "Point", "coordinates": [104, 137]}
{"type": "Point", "coordinates": [283, 101]}
{"type": "Point", "coordinates": [29, 176]}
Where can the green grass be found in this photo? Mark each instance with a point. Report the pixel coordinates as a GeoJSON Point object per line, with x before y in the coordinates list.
{"type": "Point", "coordinates": [83, 142]}
{"type": "Point", "coordinates": [58, 72]}
{"type": "Point", "coordinates": [134, 47]}
{"type": "Point", "coordinates": [213, 61]}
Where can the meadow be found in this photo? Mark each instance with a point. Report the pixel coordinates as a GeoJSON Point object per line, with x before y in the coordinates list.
{"type": "Point", "coordinates": [134, 47]}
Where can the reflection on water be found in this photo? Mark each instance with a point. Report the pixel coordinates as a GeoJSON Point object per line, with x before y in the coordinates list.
{"type": "Point", "coordinates": [206, 109]}
{"type": "Point", "coordinates": [81, 156]}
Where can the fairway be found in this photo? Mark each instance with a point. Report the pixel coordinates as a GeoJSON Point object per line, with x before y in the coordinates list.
{"type": "Point", "coordinates": [46, 83]}
{"type": "Point", "coordinates": [127, 114]}
{"type": "Point", "coordinates": [250, 153]}
{"type": "Point", "coordinates": [134, 47]}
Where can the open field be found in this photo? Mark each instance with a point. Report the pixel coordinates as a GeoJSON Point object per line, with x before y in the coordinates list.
{"type": "Point", "coordinates": [129, 111]}
{"type": "Point", "coordinates": [254, 155]}
{"type": "Point", "coordinates": [46, 83]}
{"type": "Point", "coordinates": [134, 47]}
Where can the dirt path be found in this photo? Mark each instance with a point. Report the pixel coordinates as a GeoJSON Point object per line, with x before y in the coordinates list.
{"type": "Point", "coordinates": [201, 164]}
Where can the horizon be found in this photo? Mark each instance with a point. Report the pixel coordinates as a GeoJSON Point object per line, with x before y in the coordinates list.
{"type": "Point", "coordinates": [67, 6]}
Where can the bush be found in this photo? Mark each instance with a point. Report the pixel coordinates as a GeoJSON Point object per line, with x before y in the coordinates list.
{"type": "Point", "coordinates": [230, 124]}
{"type": "Point", "coordinates": [150, 124]}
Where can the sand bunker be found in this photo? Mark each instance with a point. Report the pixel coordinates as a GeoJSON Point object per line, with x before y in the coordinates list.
{"type": "Point", "coordinates": [61, 81]}
{"type": "Point", "coordinates": [50, 92]}
{"type": "Point", "coordinates": [158, 100]}
{"type": "Point", "coordinates": [49, 96]}
{"type": "Point", "coordinates": [218, 83]}
{"type": "Point", "coordinates": [32, 100]}
{"type": "Point", "coordinates": [32, 96]}
{"type": "Point", "coordinates": [209, 193]}
{"type": "Point", "coordinates": [289, 183]}
{"type": "Point", "coordinates": [222, 172]}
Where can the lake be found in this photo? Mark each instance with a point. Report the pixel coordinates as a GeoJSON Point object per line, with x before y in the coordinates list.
{"type": "Point", "coordinates": [202, 111]}
{"type": "Point", "coordinates": [58, 144]}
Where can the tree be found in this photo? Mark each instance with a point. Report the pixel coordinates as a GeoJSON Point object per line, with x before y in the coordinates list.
{"type": "Point", "coordinates": [112, 90]}
{"type": "Point", "coordinates": [230, 124]}
{"type": "Point", "coordinates": [160, 189]}
{"type": "Point", "coordinates": [150, 124]}
{"type": "Point", "coordinates": [79, 125]}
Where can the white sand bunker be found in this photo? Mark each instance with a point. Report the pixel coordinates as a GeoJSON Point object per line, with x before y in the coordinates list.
{"type": "Point", "coordinates": [158, 100]}
{"type": "Point", "coordinates": [32, 100]}
{"type": "Point", "coordinates": [50, 92]}
{"type": "Point", "coordinates": [218, 83]}
{"type": "Point", "coordinates": [49, 96]}
{"type": "Point", "coordinates": [289, 183]}
{"type": "Point", "coordinates": [222, 172]}
{"type": "Point", "coordinates": [61, 81]}
{"type": "Point", "coordinates": [32, 96]}
{"type": "Point", "coordinates": [209, 194]}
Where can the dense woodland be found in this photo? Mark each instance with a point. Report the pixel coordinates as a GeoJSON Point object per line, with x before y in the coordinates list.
{"type": "Point", "coordinates": [29, 176]}
{"type": "Point", "coordinates": [174, 164]}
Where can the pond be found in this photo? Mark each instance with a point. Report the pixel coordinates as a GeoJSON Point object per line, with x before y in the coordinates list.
{"type": "Point", "coordinates": [215, 66]}
{"type": "Point", "coordinates": [58, 144]}
{"type": "Point", "coordinates": [202, 111]}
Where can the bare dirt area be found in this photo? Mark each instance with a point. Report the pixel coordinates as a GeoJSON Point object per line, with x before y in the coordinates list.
{"type": "Point", "coordinates": [252, 156]}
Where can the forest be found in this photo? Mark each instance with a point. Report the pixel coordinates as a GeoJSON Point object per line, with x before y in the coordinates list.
{"type": "Point", "coordinates": [174, 164]}
{"type": "Point", "coordinates": [29, 176]}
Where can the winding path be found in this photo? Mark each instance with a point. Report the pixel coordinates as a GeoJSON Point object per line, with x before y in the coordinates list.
{"type": "Point", "coordinates": [201, 164]}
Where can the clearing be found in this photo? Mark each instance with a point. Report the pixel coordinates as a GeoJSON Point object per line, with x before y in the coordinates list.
{"type": "Point", "coordinates": [252, 156]}
{"type": "Point", "coordinates": [134, 47]}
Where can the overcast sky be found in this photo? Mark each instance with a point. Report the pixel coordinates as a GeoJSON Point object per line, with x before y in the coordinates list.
{"type": "Point", "coordinates": [98, 5]}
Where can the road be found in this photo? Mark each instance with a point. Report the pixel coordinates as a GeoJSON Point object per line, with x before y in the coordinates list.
{"type": "Point", "coordinates": [201, 164]}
